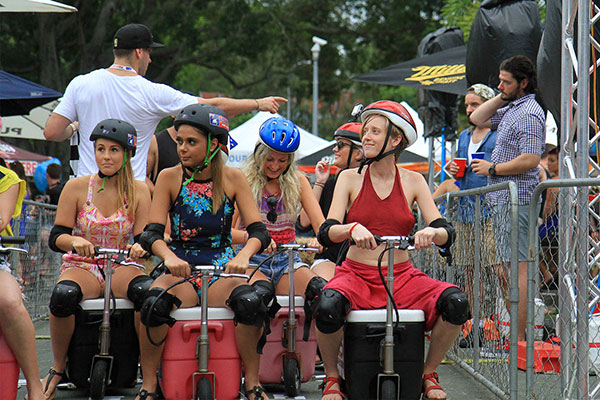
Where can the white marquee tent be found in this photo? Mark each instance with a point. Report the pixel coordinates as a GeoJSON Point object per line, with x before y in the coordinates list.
{"type": "Point", "coordinates": [245, 137]}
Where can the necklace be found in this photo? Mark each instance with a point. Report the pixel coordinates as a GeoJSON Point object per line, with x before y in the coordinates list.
{"type": "Point", "coordinates": [123, 67]}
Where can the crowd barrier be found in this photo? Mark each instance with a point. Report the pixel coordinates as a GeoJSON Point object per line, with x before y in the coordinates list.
{"type": "Point", "coordinates": [38, 270]}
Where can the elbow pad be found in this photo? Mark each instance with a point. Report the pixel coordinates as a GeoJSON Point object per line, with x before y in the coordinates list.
{"type": "Point", "coordinates": [152, 233]}
{"type": "Point", "coordinates": [323, 235]}
{"type": "Point", "coordinates": [442, 223]}
{"type": "Point", "coordinates": [56, 231]}
{"type": "Point", "coordinates": [259, 230]}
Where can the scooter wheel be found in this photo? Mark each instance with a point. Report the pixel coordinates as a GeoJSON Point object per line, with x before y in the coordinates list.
{"type": "Point", "coordinates": [388, 390]}
{"type": "Point", "coordinates": [204, 390]}
{"type": "Point", "coordinates": [291, 377]}
{"type": "Point", "coordinates": [98, 379]}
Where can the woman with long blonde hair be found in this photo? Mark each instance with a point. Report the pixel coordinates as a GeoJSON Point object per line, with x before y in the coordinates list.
{"type": "Point", "coordinates": [281, 192]}
{"type": "Point", "coordinates": [106, 209]}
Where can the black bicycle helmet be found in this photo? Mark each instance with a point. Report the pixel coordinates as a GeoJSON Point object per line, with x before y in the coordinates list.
{"type": "Point", "coordinates": [209, 119]}
{"type": "Point", "coordinates": [118, 131]}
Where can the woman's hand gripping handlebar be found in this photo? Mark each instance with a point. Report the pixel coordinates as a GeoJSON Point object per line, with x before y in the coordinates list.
{"type": "Point", "coordinates": [398, 242]}
{"type": "Point", "coordinates": [118, 256]}
{"type": "Point", "coordinates": [211, 270]}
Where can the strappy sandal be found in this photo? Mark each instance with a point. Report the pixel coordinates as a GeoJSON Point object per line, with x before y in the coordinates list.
{"type": "Point", "coordinates": [144, 394]}
{"type": "Point", "coordinates": [328, 382]}
{"type": "Point", "coordinates": [257, 391]}
{"type": "Point", "coordinates": [51, 374]}
{"type": "Point", "coordinates": [433, 377]}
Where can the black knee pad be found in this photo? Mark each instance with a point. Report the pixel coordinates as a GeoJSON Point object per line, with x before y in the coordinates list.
{"type": "Point", "coordinates": [65, 299]}
{"type": "Point", "coordinates": [157, 307]}
{"type": "Point", "coordinates": [331, 310]}
{"type": "Point", "coordinates": [311, 297]}
{"type": "Point", "coordinates": [453, 306]}
{"type": "Point", "coordinates": [265, 290]}
{"type": "Point", "coordinates": [247, 305]}
{"type": "Point", "coordinates": [137, 289]}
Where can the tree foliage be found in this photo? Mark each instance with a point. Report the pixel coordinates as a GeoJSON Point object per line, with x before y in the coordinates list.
{"type": "Point", "coordinates": [239, 48]}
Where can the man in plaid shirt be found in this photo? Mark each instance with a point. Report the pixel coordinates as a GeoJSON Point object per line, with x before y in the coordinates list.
{"type": "Point", "coordinates": [520, 141]}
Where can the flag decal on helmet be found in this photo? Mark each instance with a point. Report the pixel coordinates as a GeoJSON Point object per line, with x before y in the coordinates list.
{"type": "Point", "coordinates": [218, 120]}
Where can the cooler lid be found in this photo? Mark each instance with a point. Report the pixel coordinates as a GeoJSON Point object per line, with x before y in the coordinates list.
{"type": "Point", "coordinates": [378, 315]}
{"type": "Point", "coordinates": [98, 304]}
{"type": "Point", "coordinates": [284, 301]}
{"type": "Point", "coordinates": [194, 313]}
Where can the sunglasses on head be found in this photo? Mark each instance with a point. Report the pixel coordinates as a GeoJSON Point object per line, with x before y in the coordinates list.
{"type": "Point", "coordinates": [272, 204]}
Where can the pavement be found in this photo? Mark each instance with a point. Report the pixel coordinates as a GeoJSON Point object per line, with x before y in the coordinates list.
{"type": "Point", "coordinates": [457, 383]}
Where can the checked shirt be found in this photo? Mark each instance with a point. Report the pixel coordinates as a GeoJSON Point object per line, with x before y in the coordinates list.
{"type": "Point", "coordinates": [520, 127]}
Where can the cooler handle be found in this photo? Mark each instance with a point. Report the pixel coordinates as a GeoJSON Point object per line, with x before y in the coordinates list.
{"type": "Point", "coordinates": [189, 327]}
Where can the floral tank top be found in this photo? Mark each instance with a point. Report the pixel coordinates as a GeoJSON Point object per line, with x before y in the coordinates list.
{"type": "Point", "coordinates": [199, 236]}
{"type": "Point", "coordinates": [113, 231]}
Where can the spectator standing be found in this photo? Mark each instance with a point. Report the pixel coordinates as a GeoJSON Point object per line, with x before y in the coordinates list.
{"type": "Point", "coordinates": [520, 123]}
{"type": "Point", "coordinates": [121, 91]}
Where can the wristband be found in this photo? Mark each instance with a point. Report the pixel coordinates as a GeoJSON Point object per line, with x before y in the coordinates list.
{"type": "Point", "coordinates": [257, 106]}
{"type": "Point", "coordinates": [319, 184]}
{"type": "Point", "coordinates": [73, 130]}
{"type": "Point", "coordinates": [351, 229]}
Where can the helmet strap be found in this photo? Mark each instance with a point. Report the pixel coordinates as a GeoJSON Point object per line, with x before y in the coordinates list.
{"type": "Point", "coordinates": [382, 153]}
{"type": "Point", "coordinates": [207, 159]}
{"type": "Point", "coordinates": [105, 177]}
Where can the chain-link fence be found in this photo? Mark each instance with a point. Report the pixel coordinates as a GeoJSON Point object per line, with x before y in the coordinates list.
{"type": "Point", "coordinates": [484, 265]}
{"type": "Point", "coordinates": [569, 348]}
{"type": "Point", "coordinates": [38, 270]}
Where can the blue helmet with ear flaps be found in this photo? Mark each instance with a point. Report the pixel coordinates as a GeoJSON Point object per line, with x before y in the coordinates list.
{"type": "Point", "coordinates": [280, 134]}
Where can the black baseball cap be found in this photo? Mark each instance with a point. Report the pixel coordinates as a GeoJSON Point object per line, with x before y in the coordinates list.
{"type": "Point", "coordinates": [134, 36]}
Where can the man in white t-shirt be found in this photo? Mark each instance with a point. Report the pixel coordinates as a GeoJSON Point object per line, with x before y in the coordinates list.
{"type": "Point", "coordinates": [121, 91]}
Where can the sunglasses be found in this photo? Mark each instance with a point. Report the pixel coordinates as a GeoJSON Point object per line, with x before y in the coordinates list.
{"type": "Point", "coordinates": [340, 145]}
{"type": "Point", "coordinates": [272, 204]}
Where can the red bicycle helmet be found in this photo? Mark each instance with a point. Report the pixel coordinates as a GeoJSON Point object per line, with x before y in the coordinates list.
{"type": "Point", "coordinates": [350, 131]}
{"type": "Point", "coordinates": [397, 114]}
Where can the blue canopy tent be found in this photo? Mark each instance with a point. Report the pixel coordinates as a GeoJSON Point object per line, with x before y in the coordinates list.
{"type": "Point", "coordinates": [18, 96]}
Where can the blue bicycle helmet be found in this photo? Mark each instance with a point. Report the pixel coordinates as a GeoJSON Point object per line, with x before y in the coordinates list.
{"type": "Point", "coordinates": [280, 134]}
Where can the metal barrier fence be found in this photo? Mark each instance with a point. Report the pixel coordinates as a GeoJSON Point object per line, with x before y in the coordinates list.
{"type": "Point", "coordinates": [38, 270]}
{"type": "Point", "coordinates": [485, 264]}
{"type": "Point", "coordinates": [574, 318]}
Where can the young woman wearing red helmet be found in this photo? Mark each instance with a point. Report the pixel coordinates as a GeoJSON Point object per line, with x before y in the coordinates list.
{"type": "Point", "coordinates": [377, 199]}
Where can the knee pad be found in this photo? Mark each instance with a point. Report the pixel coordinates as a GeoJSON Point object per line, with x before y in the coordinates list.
{"type": "Point", "coordinates": [265, 290]}
{"type": "Point", "coordinates": [65, 299]}
{"type": "Point", "coordinates": [453, 306]}
{"type": "Point", "coordinates": [247, 305]}
{"type": "Point", "coordinates": [157, 306]}
{"type": "Point", "coordinates": [311, 297]}
{"type": "Point", "coordinates": [331, 310]}
{"type": "Point", "coordinates": [137, 289]}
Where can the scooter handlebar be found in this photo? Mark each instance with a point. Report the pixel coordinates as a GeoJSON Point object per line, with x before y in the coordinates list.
{"type": "Point", "coordinates": [12, 240]}
{"type": "Point", "coordinates": [399, 242]}
{"type": "Point", "coordinates": [214, 271]}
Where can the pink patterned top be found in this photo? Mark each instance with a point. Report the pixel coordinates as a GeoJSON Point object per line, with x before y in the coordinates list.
{"type": "Point", "coordinates": [110, 232]}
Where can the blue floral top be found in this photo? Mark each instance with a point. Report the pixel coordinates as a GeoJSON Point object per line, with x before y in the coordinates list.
{"type": "Point", "coordinates": [199, 236]}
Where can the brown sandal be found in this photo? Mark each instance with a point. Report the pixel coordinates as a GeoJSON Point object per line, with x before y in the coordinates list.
{"type": "Point", "coordinates": [328, 382]}
{"type": "Point", "coordinates": [433, 377]}
{"type": "Point", "coordinates": [51, 374]}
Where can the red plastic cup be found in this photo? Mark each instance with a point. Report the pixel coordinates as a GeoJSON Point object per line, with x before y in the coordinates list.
{"type": "Point", "coordinates": [462, 165]}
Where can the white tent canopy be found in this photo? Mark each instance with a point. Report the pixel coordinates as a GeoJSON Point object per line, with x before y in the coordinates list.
{"type": "Point", "coordinates": [245, 137]}
{"type": "Point", "coordinates": [34, 6]}
{"type": "Point", "coordinates": [27, 126]}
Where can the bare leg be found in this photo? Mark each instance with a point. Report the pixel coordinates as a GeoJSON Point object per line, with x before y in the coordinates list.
{"type": "Point", "coordinates": [19, 333]}
{"type": "Point", "coordinates": [522, 299]}
{"type": "Point", "coordinates": [443, 335]}
{"type": "Point", "coordinates": [151, 354]}
{"type": "Point", "coordinates": [246, 336]}
{"type": "Point", "coordinates": [324, 269]}
{"type": "Point", "coordinates": [61, 329]}
{"type": "Point", "coordinates": [302, 276]}
{"type": "Point", "coordinates": [329, 344]}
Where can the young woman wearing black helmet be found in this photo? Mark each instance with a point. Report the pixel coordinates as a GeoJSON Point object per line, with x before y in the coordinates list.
{"type": "Point", "coordinates": [199, 196]}
{"type": "Point", "coordinates": [377, 200]}
{"type": "Point", "coordinates": [105, 209]}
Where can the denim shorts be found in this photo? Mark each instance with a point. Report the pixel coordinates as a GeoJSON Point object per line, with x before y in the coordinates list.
{"type": "Point", "coordinates": [277, 266]}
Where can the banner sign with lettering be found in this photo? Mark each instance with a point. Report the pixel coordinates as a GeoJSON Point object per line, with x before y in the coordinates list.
{"type": "Point", "coordinates": [443, 71]}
